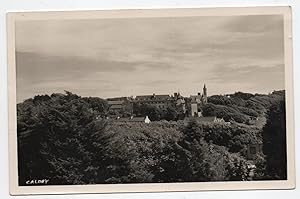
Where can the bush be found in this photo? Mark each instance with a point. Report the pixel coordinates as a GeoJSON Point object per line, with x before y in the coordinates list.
{"type": "Point", "coordinates": [225, 112]}
{"type": "Point", "coordinates": [274, 139]}
{"type": "Point", "coordinates": [59, 133]}
{"type": "Point", "coordinates": [70, 141]}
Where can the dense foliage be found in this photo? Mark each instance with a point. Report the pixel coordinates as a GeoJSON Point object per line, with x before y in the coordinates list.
{"type": "Point", "coordinates": [241, 107]}
{"type": "Point", "coordinates": [67, 139]}
{"type": "Point", "coordinates": [57, 136]}
{"type": "Point", "coordinates": [156, 114]}
{"type": "Point", "coordinates": [274, 137]}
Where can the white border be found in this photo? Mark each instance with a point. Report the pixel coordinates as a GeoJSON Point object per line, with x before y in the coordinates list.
{"type": "Point", "coordinates": [149, 187]}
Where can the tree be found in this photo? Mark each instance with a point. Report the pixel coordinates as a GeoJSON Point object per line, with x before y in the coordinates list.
{"type": "Point", "coordinates": [237, 167]}
{"type": "Point", "coordinates": [274, 142]}
{"type": "Point", "coordinates": [200, 161]}
{"type": "Point", "coordinates": [138, 152]}
{"type": "Point", "coordinates": [56, 139]}
{"type": "Point", "coordinates": [226, 112]}
{"type": "Point", "coordinates": [170, 114]}
{"type": "Point", "coordinates": [152, 112]}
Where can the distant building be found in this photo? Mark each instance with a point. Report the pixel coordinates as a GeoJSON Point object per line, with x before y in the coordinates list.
{"type": "Point", "coordinates": [204, 96]}
{"type": "Point", "coordinates": [180, 103]}
{"type": "Point", "coordinates": [120, 104]}
{"type": "Point", "coordinates": [159, 101]}
{"type": "Point", "coordinates": [194, 109]}
{"type": "Point", "coordinates": [212, 119]}
{"type": "Point", "coordinates": [188, 106]}
{"type": "Point", "coordinates": [134, 119]}
{"type": "Point", "coordinates": [163, 101]}
{"type": "Point", "coordinates": [196, 103]}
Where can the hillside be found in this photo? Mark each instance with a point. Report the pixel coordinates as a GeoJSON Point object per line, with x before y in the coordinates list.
{"type": "Point", "coordinates": [70, 142]}
{"type": "Point", "coordinates": [241, 107]}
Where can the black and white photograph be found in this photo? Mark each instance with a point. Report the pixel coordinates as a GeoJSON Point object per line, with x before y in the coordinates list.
{"type": "Point", "coordinates": [151, 99]}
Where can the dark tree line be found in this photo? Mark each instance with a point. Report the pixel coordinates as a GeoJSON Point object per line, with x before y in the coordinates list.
{"type": "Point", "coordinates": [58, 138]}
{"type": "Point", "coordinates": [156, 114]}
{"type": "Point", "coordinates": [241, 107]}
{"type": "Point", "coordinates": [66, 138]}
{"type": "Point", "coordinates": [274, 138]}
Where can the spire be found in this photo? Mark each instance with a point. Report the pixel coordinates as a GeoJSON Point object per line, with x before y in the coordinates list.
{"type": "Point", "coordinates": [204, 94]}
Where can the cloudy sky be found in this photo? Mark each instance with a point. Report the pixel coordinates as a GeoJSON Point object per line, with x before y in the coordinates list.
{"type": "Point", "coordinates": [128, 57]}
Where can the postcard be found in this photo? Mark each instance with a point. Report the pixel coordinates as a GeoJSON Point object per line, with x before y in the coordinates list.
{"type": "Point", "coordinates": [150, 100]}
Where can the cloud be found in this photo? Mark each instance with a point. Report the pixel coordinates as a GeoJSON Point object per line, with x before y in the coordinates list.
{"type": "Point", "coordinates": [122, 57]}
{"type": "Point", "coordinates": [36, 67]}
{"type": "Point", "coordinates": [159, 82]}
{"type": "Point", "coordinates": [255, 24]}
{"type": "Point", "coordinates": [251, 77]}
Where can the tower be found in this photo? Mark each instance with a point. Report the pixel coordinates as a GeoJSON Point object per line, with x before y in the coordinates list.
{"type": "Point", "coordinates": [204, 94]}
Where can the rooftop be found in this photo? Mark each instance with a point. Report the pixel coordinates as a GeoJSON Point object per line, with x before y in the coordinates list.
{"type": "Point", "coordinates": [153, 97]}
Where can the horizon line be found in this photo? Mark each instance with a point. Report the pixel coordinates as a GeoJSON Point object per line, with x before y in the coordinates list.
{"type": "Point", "coordinates": [134, 96]}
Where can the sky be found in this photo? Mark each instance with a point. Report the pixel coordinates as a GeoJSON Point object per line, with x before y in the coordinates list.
{"type": "Point", "coordinates": [138, 56]}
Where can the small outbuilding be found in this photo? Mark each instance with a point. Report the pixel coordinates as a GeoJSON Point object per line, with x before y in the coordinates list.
{"type": "Point", "coordinates": [213, 119]}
